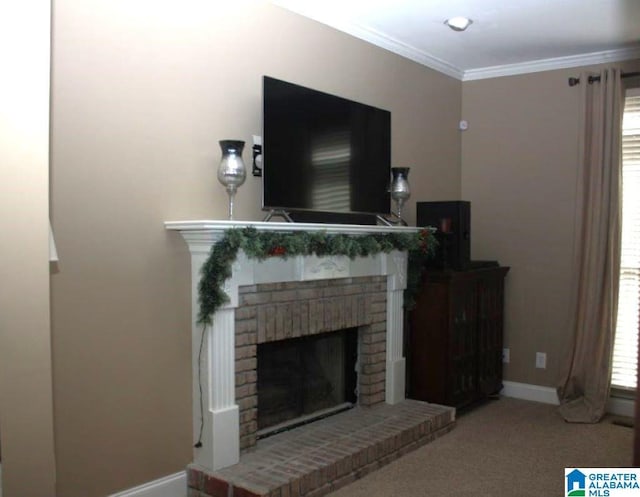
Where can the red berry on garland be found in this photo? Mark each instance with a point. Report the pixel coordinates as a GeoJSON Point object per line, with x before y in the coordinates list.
{"type": "Point", "coordinates": [278, 250]}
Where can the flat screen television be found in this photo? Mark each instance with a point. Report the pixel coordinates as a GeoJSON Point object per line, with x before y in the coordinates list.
{"type": "Point", "coordinates": [323, 153]}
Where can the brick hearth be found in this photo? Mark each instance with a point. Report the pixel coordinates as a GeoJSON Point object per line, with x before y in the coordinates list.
{"type": "Point", "coordinates": [319, 458]}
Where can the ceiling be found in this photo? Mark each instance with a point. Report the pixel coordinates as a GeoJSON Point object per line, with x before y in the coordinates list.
{"type": "Point", "coordinates": [506, 37]}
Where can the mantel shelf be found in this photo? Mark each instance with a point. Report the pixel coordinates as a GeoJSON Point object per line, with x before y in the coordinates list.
{"type": "Point", "coordinates": [218, 227]}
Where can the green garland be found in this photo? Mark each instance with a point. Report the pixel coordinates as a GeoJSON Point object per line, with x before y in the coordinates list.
{"type": "Point", "coordinates": [262, 244]}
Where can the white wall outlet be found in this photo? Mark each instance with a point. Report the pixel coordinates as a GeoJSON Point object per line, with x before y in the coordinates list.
{"type": "Point", "coordinates": [506, 357]}
{"type": "Point", "coordinates": [541, 360]}
{"type": "Point", "coordinates": [257, 140]}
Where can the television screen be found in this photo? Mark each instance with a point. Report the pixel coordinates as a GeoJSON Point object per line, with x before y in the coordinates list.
{"type": "Point", "coordinates": [323, 153]}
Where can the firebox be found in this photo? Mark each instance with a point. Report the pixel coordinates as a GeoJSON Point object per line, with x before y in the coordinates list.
{"type": "Point", "coordinates": [302, 379]}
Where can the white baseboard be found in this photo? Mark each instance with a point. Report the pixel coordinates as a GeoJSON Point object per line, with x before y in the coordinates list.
{"type": "Point", "coordinates": [548, 395]}
{"type": "Point", "coordinates": [621, 407]}
{"type": "Point", "coordinates": [526, 391]}
{"type": "Point", "coordinates": [170, 486]}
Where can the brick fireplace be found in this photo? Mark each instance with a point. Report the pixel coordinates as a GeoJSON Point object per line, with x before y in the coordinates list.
{"type": "Point", "coordinates": [286, 299]}
{"type": "Point", "coordinates": [227, 388]}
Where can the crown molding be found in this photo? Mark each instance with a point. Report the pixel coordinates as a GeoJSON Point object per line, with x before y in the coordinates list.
{"type": "Point", "coordinates": [552, 64]}
{"type": "Point", "coordinates": [392, 45]}
{"type": "Point", "coordinates": [421, 57]}
{"type": "Point", "coordinates": [376, 38]}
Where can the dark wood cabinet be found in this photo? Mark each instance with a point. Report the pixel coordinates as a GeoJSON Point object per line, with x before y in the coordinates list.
{"type": "Point", "coordinates": [455, 336]}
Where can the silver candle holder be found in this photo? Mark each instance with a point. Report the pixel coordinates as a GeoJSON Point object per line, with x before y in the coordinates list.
{"type": "Point", "coordinates": [399, 190]}
{"type": "Point", "coordinates": [231, 172]}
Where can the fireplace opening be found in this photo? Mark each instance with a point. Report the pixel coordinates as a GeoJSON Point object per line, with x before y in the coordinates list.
{"type": "Point", "coordinates": [302, 379]}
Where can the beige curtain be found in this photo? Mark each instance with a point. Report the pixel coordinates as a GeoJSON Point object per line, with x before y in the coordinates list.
{"type": "Point", "coordinates": [584, 390]}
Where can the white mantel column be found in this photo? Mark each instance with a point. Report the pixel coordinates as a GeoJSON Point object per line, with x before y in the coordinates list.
{"type": "Point", "coordinates": [396, 363]}
{"type": "Point", "coordinates": [213, 368]}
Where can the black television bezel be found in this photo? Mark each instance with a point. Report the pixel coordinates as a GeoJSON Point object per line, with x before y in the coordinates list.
{"type": "Point", "coordinates": [316, 215]}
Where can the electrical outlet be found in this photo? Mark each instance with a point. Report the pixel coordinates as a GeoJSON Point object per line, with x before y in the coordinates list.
{"type": "Point", "coordinates": [541, 360]}
{"type": "Point", "coordinates": [506, 357]}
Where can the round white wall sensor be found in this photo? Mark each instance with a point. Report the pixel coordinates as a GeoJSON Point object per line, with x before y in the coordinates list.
{"type": "Point", "coordinates": [463, 125]}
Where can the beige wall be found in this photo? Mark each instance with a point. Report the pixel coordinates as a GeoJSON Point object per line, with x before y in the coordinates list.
{"type": "Point", "coordinates": [519, 172]}
{"type": "Point", "coordinates": [26, 410]}
{"type": "Point", "coordinates": [142, 92]}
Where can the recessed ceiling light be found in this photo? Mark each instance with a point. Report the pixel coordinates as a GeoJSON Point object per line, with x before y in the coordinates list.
{"type": "Point", "coordinates": [458, 23]}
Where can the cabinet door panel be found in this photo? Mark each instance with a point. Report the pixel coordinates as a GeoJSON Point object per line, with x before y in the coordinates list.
{"type": "Point", "coordinates": [464, 337]}
{"type": "Point", "coordinates": [490, 318]}
{"type": "Point", "coordinates": [428, 341]}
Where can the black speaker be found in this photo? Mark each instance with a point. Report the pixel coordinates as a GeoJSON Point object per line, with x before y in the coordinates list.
{"type": "Point", "coordinates": [453, 221]}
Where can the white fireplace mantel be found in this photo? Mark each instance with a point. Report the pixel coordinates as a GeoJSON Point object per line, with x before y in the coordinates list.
{"type": "Point", "coordinates": [212, 231]}
{"type": "Point", "coordinates": [215, 370]}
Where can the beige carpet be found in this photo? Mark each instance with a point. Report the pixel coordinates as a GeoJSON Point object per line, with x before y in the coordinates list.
{"type": "Point", "coordinates": [505, 447]}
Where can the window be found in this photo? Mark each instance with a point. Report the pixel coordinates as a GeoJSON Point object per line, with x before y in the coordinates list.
{"type": "Point", "coordinates": [624, 374]}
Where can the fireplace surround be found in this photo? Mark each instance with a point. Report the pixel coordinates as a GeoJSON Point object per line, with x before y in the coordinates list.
{"type": "Point", "coordinates": [300, 295]}
{"type": "Point", "coordinates": [277, 312]}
